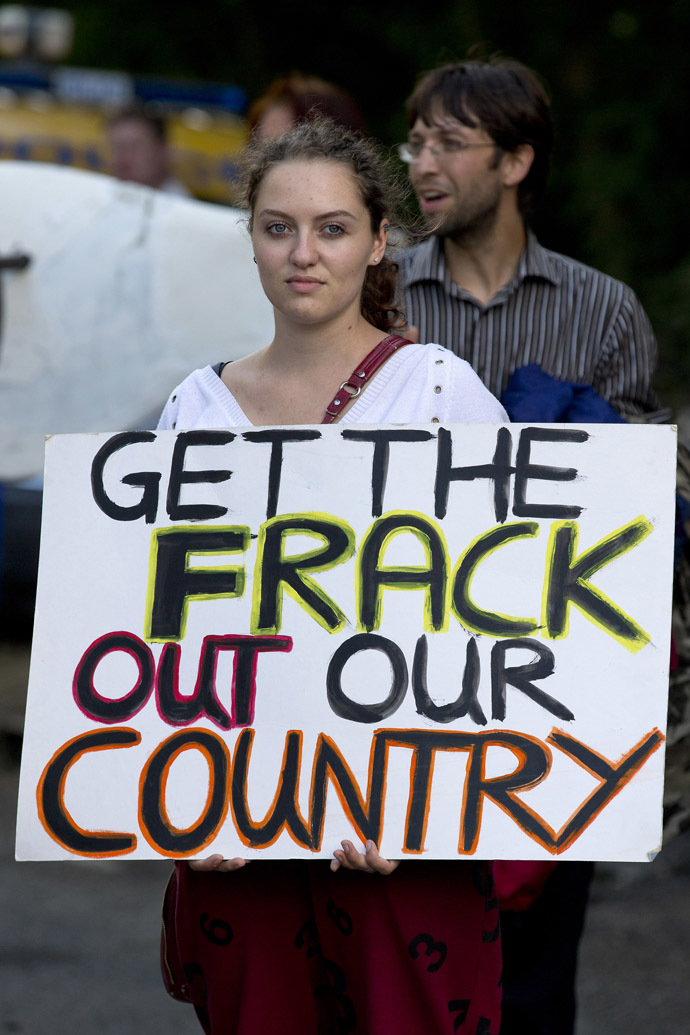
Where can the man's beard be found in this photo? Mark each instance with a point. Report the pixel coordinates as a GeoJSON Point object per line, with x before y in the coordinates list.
{"type": "Point", "coordinates": [471, 224]}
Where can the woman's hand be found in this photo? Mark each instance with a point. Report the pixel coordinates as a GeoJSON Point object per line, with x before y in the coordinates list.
{"type": "Point", "coordinates": [368, 862]}
{"type": "Point", "coordinates": [217, 863]}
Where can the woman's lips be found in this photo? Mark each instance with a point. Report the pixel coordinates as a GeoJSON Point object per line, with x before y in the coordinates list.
{"type": "Point", "coordinates": [304, 285]}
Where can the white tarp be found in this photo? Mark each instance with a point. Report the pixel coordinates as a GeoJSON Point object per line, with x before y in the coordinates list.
{"type": "Point", "coordinates": [127, 290]}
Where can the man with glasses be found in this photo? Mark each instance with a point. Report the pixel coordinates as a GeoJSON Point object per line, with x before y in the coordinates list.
{"type": "Point", "coordinates": [478, 152]}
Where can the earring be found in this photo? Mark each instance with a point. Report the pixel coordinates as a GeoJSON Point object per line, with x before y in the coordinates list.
{"type": "Point", "coordinates": [375, 260]}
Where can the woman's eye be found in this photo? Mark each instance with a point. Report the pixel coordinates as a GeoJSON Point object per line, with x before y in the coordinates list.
{"type": "Point", "coordinates": [333, 229]}
{"type": "Point", "coordinates": [277, 228]}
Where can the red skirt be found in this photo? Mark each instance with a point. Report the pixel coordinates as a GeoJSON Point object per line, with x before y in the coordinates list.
{"type": "Point", "coordinates": [291, 947]}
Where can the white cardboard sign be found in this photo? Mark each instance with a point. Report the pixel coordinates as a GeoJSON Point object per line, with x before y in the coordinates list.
{"type": "Point", "coordinates": [452, 640]}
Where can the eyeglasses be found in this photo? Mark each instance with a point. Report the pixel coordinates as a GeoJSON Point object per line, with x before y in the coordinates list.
{"type": "Point", "coordinates": [411, 150]}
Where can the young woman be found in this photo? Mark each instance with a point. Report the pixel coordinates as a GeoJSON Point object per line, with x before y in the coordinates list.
{"type": "Point", "coordinates": [310, 947]}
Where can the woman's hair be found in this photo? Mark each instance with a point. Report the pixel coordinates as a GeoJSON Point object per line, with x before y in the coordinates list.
{"type": "Point", "coordinates": [307, 96]}
{"type": "Point", "coordinates": [321, 139]}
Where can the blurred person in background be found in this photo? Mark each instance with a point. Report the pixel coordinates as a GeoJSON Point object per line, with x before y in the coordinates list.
{"type": "Point", "coordinates": [139, 151]}
{"type": "Point", "coordinates": [478, 152]}
{"type": "Point", "coordinates": [287, 101]}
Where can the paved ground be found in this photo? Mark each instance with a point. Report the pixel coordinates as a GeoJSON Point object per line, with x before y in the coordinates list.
{"type": "Point", "coordinates": [79, 940]}
{"type": "Point", "coordinates": [635, 955]}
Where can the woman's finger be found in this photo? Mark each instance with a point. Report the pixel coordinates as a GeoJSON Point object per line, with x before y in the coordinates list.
{"type": "Point", "coordinates": [368, 861]}
{"type": "Point", "coordinates": [377, 863]}
{"type": "Point", "coordinates": [217, 863]}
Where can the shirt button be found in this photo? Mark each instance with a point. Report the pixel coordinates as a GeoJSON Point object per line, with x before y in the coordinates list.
{"type": "Point", "coordinates": [434, 420]}
{"type": "Point", "coordinates": [438, 362]}
{"type": "Point", "coordinates": [437, 389]}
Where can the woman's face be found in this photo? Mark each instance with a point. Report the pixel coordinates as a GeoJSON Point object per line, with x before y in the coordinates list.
{"type": "Point", "coordinates": [313, 240]}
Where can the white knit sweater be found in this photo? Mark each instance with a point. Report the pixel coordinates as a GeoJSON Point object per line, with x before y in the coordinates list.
{"type": "Point", "coordinates": [417, 385]}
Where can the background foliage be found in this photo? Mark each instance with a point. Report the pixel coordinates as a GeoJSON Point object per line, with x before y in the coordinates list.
{"type": "Point", "coordinates": [618, 78]}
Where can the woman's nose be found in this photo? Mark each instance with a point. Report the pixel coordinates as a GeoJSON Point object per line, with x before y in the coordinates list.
{"type": "Point", "coordinates": [304, 252]}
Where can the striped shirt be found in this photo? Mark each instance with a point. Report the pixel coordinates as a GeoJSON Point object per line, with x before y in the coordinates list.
{"type": "Point", "coordinates": [578, 324]}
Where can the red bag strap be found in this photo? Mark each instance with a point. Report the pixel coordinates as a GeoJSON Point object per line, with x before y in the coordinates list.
{"type": "Point", "coordinates": [362, 373]}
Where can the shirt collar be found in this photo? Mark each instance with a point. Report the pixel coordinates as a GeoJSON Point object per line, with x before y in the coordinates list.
{"type": "Point", "coordinates": [537, 262]}
{"type": "Point", "coordinates": [428, 263]}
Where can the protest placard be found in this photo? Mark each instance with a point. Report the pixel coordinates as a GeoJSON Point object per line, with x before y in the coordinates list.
{"type": "Point", "coordinates": [451, 640]}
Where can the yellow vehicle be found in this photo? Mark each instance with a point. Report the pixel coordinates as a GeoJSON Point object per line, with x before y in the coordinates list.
{"type": "Point", "coordinates": [59, 115]}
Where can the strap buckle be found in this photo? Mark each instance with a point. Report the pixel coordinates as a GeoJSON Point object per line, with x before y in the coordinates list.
{"type": "Point", "coordinates": [354, 390]}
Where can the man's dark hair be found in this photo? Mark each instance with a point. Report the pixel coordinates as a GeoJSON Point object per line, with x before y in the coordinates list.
{"type": "Point", "coordinates": [505, 99]}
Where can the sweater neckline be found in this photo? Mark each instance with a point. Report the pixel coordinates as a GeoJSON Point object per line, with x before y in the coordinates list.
{"type": "Point", "coordinates": [375, 387]}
